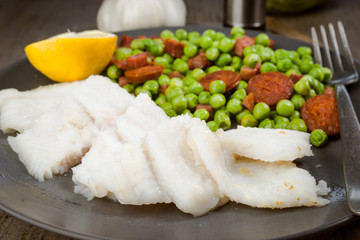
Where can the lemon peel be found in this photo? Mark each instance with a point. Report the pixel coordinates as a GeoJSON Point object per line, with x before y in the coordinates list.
{"type": "Point", "coordinates": [72, 56]}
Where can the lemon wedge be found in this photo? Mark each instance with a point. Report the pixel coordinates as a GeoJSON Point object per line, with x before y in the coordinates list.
{"type": "Point", "coordinates": [72, 56]}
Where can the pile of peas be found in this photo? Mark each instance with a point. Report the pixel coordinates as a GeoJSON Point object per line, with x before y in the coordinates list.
{"type": "Point", "coordinates": [182, 96]}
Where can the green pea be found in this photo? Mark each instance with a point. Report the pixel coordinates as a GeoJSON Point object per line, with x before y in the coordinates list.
{"type": "Point", "coordinates": [202, 113]}
{"type": "Point", "coordinates": [267, 123]}
{"type": "Point", "coordinates": [196, 88]}
{"type": "Point", "coordinates": [160, 100]}
{"type": "Point", "coordinates": [229, 68]}
{"type": "Point", "coordinates": [302, 87]}
{"type": "Point", "coordinates": [240, 115]}
{"type": "Point", "coordinates": [226, 45]}
{"type": "Point", "coordinates": [176, 82]}
{"type": "Point", "coordinates": [181, 34]}
{"type": "Point", "coordinates": [285, 108]}
{"type": "Point", "coordinates": [236, 62]}
{"type": "Point", "coordinates": [279, 118]}
{"type": "Point", "coordinates": [217, 100]}
{"type": "Point", "coordinates": [212, 125]}
{"type": "Point", "coordinates": [204, 97]}
{"type": "Point", "coordinates": [209, 32]}
{"type": "Point", "coordinates": [192, 100]}
{"type": "Point", "coordinates": [213, 68]}
{"type": "Point", "coordinates": [187, 112]}
{"type": "Point", "coordinates": [249, 121]}
{"type": "Point", "coordinates": [248, 50]}
{"type": "Point", "coordinates": [168, 57]}
{"type": "Point", "coordinates": [136, 51]}
{"type": "Point", "coordinates": [138, 90]}
{"type": "Point", "coordinates": [262, 39]}
{"type": "Point", "coordinates": [327, 75]}
{"type": "Point", "coordinates": [122, 53]}
{"type": "Point", "coordinates": [165, 34]}
{"type": "Point", "coordinates": [261, 111]}
{"type": "Point", "coordinates": [234, 106]}
{"type": "Point", "coordinates": [161, 61]}
{"type": "Point", "coordinates": [223, 60]}
{"type": "Point", "coordinates": [219, 35]}
{"type": "Point", "coordinates": [312, 93]}
{"type": "Point", "coordinates": [238, 31]}
{"type": "Point", "coordinates": [223, 120]}
{"type": "Point", "coordinates": [266, 54]}
{"type": "Point", "coordinates": [179, 104]}
{"type": "Point", "coordinates": [282, 125]}
{"type": "Point", "coordinates": [212, 53]}
{"type": "Point", "coordinates": [190, 50]}
{"type": "Point", "coordinates": [188, 81]}
{"type": "Point", "coordinates": [129, 87]}
{"type": "Point", "coordinates": [217, 86]}
{"type": "Point", "coordinates": [295, 114]}
{"type": "Point", "coordinates": [242, 84]}
{"type": "Point", "coordinates": [164, 79]}
{"type": "Point", "coordinates": [197, 74]}
{"type": "Point", "coordinates": [318, 138]}
{"type": "Point", "coordinates": [215, 44]}
{"type": "Point", "coordinates": [205, 42]}
{"type": "Point", "coordinates": [298, 101]}
{"type": "Point", "coordinates": [239, 94]}
{"type": "Point", "coordinates": [298, 124]}
{"type": "Point", "coordinates": [251, 60]}
{"type": "Point", "coordinates": [113, 72]}
{"type": "Point", "coordinates": [194, 37]}
{"type": "Point", "coordinates": [305, 66]}
{"type": "Point", "coordinates": [137, 44]}
{"type": "Point", "coordinates": [294, 56]}
{"type": "Point", "coordinates": [167, 107]}
{"type": "Point", "coordinates": [172, 93]}
{"type": "Point", "coordinates": [280, 54]}
{"type": "Point", "coordinates": [157, 49]}
{"type": "Point", "coordinates": [151, 86]}
{"type": "Point", "coordinates": [284, 64]}
{"type": "Point", "coordinates": [302, 51]}
{"type": "Point", "coordinates": [318, 86]}
{"type": "Point", "coordinates": [317, 73]}
{"type": "Point", "coordinates": [292, 71]}
{"type": "Point", "coordinates": [268, 67]}
{"type": "Point", "coordinates": [180, 66]}
{"type": "Point", "coordinates": [273, 114]}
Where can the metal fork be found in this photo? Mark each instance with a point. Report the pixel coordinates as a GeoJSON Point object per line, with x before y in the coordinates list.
{"type": "Point", "coordinates": [344, 72]}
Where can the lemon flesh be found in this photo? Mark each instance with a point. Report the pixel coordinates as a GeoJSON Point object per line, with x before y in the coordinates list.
{"type": "Point", "coordinates": [72, 56]}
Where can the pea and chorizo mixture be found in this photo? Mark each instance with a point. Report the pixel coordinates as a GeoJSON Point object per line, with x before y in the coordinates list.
{"type": "Point", "coordinates": [229, 79]}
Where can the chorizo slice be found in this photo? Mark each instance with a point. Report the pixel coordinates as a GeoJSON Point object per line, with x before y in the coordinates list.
{"type": "Point", "coordinates": [270, 87]}
{"type": "Point", "coordinates": [136, 61]}
{"type": "Point", "coordinates": [121, 64]}
{"type": "Point", "coordinates": [241, 43]}
{"type": "Point", "coordinates": [230, 78]}
{"type": "Point", "coordinates": [249, 101]}
{"type": "Point", "coordinates": [176, 74]}
{"type": "Point", "coordinates": [199, 61]}
{"type": "Point", "coordinates": [142, 74]}
{"type": "Point", "coordinates": [246, 72]}
{"type": "Point", "coordinates": [295, 77]}
{"type": "Point", "coordinates": [321, 112]}
{"type": "Point", "coordinates": [174, 47]}
{"type": "Point", "coordinates": [125, 41]}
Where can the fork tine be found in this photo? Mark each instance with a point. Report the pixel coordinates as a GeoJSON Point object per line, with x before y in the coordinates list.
{"type": "Point", "coordinates": [326, 47]}
{"type": "Point", "coordinates": [347, 52]}
{"type": "Point", "coordinates": [316, 46]}
{"type": "Point", "coordinates": [336, 47]}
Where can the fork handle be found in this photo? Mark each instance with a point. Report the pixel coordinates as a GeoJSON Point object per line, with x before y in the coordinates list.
{"type": "Point", "coordinates": [350, 145]}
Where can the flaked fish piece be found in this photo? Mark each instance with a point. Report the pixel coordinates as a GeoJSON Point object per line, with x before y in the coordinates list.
{"type": "Point", "coordinates": [119, 171]}
{"type": "Point", "coordinates": [141, 116]}
{"type": "Point", "coordinates": [268, 145]}
{"type": "Point", "coordinates": [176, 169]}
{"type": "Point", "coordinates": [279, 184]}
{"type": "Point", "coordinates": [56, 142]}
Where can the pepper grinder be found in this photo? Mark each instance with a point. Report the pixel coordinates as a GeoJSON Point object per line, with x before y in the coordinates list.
{"type": "Point", "coordinates": [245, 13]}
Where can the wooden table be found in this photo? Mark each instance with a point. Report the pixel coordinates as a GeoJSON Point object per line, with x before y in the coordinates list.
{"type": "Point", "coordinates": [23, 22]}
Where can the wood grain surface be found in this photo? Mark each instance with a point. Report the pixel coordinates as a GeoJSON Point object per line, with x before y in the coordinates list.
{"type": "Point", "coordinates": [23, 22]}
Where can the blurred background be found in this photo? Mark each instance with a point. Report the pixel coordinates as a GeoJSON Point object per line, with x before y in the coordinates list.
{"type": "Point", "coordinates": [23, 22]}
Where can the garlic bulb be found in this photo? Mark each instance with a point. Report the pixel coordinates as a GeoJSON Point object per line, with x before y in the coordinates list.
{"type": "Point", "coordinates": [121, 15]}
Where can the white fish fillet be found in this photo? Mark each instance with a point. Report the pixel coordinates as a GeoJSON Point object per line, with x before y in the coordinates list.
{"type": "Point", "coordinates": [189, 184]}
{"type": "Point", "coordinates": [119, 171]}
{"type": "Point", "coordinates": [266, 144]}
{"type": "Point", "coordinates": [257, 183]}
{"type": "Point", "coordinates": [56, 142]}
